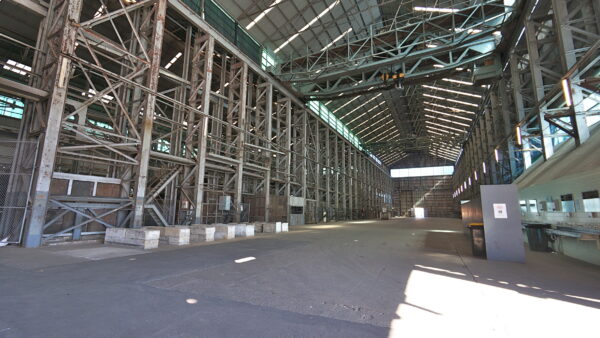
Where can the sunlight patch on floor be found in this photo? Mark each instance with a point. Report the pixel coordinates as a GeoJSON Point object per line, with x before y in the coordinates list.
{"type": "Point", "coordinates": [441, 302]}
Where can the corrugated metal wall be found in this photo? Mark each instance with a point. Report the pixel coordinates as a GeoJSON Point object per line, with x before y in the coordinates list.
{"type": "Point", "coordinates": [432, 193]}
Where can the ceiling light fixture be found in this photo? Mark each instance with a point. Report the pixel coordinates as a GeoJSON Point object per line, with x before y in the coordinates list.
{"type": "Point", "coordinates": [567, 92]}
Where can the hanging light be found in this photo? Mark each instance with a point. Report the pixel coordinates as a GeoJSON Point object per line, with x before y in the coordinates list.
{"type": "Point", "coordinates": [519, 139]}
{"type": "Point", "coordinates": [567, 92]}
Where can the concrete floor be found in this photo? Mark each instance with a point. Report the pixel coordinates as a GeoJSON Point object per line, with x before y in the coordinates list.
{"type": "Point", "coordinates": [403, 277]}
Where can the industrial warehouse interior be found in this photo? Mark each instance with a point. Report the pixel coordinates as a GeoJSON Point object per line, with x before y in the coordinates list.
{"type": "Point", "coordinates": [299, 168]}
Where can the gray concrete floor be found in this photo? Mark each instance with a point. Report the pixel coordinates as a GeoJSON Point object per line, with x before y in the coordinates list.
{"type": "Point", "coordinates": [401, 277]}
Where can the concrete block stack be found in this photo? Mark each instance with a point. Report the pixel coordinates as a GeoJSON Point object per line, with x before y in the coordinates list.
{"type": "Point", "coordinates": [271, 227]}
{"type": "Point", "coordinates": [145, 238]}
{"type": "Point", "coordinates": [174, 235]}
{"type": "Point", "coordinates": [202, 233]}
{"type": "Point", "coordinates": [224, 231]}
{"type": "Point", "coordinates": [244, 230]}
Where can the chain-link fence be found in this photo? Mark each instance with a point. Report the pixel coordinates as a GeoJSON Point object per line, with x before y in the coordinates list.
{"type": "Point", "coordinates": [17, 162]}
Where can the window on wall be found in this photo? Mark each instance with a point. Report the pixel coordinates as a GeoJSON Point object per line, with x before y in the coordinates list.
{"type": "Point", "coordinates": [533, 206]}
{"type": "Point", "coordinates": [591, 201]}
{"type": "Point", "coordinates": [523, 205]}
{"type": "Point", "coordinates": [328, 116]}
{"type": "Point", "coordinates": [11, 107]}
{"type": "Point", "coordinates": [421, 172]}
{"type": "Point", "coordinates": [567, 204]}
{"type": "Point", "coordinates": [267, 60]}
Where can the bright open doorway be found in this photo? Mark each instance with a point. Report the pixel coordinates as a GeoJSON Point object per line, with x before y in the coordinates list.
{"type": "Point", "coordinates": [419, 212]}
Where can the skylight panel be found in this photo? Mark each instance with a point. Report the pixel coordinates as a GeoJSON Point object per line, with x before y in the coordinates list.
{"type": "Point", "coordinates": [451, 108]}
{"type": "Point", "coordinates": [17, 67]}
{"type": "Point", "coordinates": [345, 104]}
{"type": "Point", "coordinates": [451, 100]}
{"type": "Point", "coordinates": [446, 120]}
{"type": "Point", "coordinates": [173, 60]}
{"type": "Point", "coordinates": [370, 120]}
{"type": "Point", "coordinates": [452, 91]}
{"type": "Point", "coordinates": [263, 14]}
{"type": "Point", "coordinates": [91, 93]}
{"type": "Point", "coordinates": [363, 114]}
{"type": "Point", "coordinates": [435, 132]}
{"type": "Point", "coordinates": [442, 152]}
{"type": "Point", "coordinates": [445, 126]}
{"type": "Point", "coordinates": [100, 11]}
{"type": "Point", "coordinates": [353, 110]}
{"type": "Point", "coordinates": [446, 114]}
{"type": "Point", "coordinates": [310, 23]}
{"type": "Point", "coordinates": [434, 9]}
{"type": "Point", "coordinates": [442, 156]}
{"type": "Point", "coordinates": [337, 39]}
{"type": "Point", "coordinates": [391, 136]}
{"type": "Point", "coordinates": [374, 130]}
{"type": "Point", "coordinates": [442, 130]}
{"type": "Point", "coordinates": [458, 81]}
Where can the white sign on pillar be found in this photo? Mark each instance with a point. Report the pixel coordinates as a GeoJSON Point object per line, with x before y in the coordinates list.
{"type": "Point", "coordinates": [500, 210]}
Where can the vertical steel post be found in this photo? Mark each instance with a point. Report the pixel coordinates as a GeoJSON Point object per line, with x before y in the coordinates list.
{"type": "Point", "coordinates": [568, 57]}
{"type": "Point", "coordinates": [269, 127]}
{"type": "Point", "coordinates": [239, 180]}
{"type": "Point", "coordinates": [203, 121]}
{"type": "Point", "coordinates": [58, 96]}
{"type": "Point", "coordinates": [148, 118]}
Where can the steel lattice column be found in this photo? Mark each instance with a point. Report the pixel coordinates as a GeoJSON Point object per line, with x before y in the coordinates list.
{"type": "Point", "coordinates": [61, 35]}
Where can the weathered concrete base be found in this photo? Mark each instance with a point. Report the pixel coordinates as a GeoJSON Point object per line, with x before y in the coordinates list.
{"type": "Point", "coordinates": [244, 230]}
{"type": "Point", "coordinates": [175, 235]}
{"type": "Point", "coordinates": [202, 233]}
{"type": "Point", "coordinates": [224, 231]}
{"type": "Point", "coordinates": [271, 227]}
{"type": "Point", "coordinates": [145, 238]}
{"type": "Point", "coordinates": [258, 227]}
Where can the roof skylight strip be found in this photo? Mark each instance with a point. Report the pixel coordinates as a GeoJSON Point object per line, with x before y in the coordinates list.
{"type": "Point", "coordinates": [451, 100]}
{"type": "Point", "coordinates": [310, 23]}
{"type": "Point", "coordinates": [451, 108]}
{"type": "Point", "coordinates": [445, 126]}
{"type": "Point", "coordinates": [451, 91]}
{"type": "Point", "coordinates": [446, 120]}
{"type": "Point", "coordinates": [353, 110]}
{"type": "Point", "coordinates": [337, 39]}
{"type": "Point", "coordinates": [446, 114]}
{"type": "Point", "coordinates": [263, 14]}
